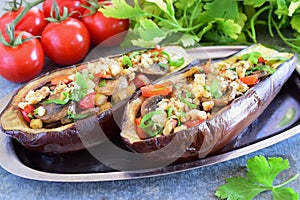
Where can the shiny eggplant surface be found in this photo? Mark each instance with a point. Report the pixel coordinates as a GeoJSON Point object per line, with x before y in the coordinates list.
{"type": "Point", "coordinates": [178, 124]}
{"type": "Point", "coordinates": [56, 111]}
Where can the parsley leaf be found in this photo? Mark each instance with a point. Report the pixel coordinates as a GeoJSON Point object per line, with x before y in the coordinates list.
{"type": "Point", "coordinates": [260, 177]}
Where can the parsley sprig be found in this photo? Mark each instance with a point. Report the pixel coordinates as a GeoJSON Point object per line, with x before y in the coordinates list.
{"type": "Point", "coordinates": [259, 178]}
{"type": "Point", "coordinates": [214, 21]}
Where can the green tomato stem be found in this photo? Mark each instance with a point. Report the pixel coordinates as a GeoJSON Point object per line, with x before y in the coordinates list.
{"type": "Point", "coordinates": [10, 29]}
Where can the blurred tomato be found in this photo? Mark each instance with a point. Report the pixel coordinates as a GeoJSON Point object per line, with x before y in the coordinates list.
{"type": "Point", "coordinates": [23, 62]}
{"type": "Point", "coordinates": [66, 42]}
{"type": "Point", "coordinates": [33, 22]}
{"type": "Point", "coordinates": [72, 5]}
{"type": "Point", "coordinates": [103, 30]}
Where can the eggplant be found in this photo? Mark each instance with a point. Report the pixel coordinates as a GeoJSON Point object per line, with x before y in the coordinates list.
{"type": "Point", "coordinates": [230, 115]}
{"type": "Point", "coordinates": [59, 131]}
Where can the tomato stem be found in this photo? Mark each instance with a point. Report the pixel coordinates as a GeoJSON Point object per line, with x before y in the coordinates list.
{"type": "Point", "coordinates": [10, 28]}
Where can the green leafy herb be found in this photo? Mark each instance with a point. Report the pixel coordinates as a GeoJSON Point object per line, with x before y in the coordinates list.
{"type": "Point", "coordinates": [174, 63]}
{"type": "Point", "coordinates": [126, 61]}
{"type": "Point", "coordinates": [215, 89]}
{"type": "Point", "coordinates": [266, 68]}
{"type": "Point", "coordinates": [252, 57]}
{"type": "Point", "coordinates": [183, 100]}
{"type": "Point", "coordinates": [81, 87]}
{"type": "Point", "coordinates": [30, 115]}
{"type": "Point", "coordinates": [59, 101]}
{"type": "Point", "coordinates": [260, 177]}
{"type": "Point", "coordinates": [275, 59]}
{"type": "Point", "coordinates": [156, 21]}
{"type": "Point", "coordinates": [36, 111]}
{"type": "Point", "coordinates": [102, 83]}
{"type": "Point", "coordinates": [169, 111]}
{"type": "Point", "coordinates": [71, 115]}
{"type": "Point", "coordinates": [150, 127]}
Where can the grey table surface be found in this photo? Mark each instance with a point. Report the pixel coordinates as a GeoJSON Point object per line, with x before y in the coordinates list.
{"type": "Point", "coordinates": [198, 183]}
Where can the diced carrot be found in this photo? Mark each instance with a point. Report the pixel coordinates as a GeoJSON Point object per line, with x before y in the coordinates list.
{"type": "Point", "coordinates": [250, 80]}
{"type": "Point", "coordinates": [158, 89]}
{"type": "Point", "coordinates": [107, 75]}
{"type": "Point", "coordinates": [60, 79]}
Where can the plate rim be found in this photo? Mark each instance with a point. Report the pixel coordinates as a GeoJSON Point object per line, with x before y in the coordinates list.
{"type": "Point", "coordinates": [10, 162]}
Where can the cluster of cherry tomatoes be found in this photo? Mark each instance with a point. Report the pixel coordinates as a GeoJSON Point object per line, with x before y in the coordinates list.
{"type": "Point", "coordinates": [65, 41]}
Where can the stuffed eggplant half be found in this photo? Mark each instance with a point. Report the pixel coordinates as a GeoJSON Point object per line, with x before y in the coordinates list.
{"type": "Point", "coordinates": [42, 114]}
{"type": "Point", "coordinates": [197, 112]}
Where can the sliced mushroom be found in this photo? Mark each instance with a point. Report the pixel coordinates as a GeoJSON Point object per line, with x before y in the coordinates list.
{"type": "Point", "coordinates": [150, 104]}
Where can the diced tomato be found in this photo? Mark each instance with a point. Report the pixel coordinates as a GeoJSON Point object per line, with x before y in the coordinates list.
{"type": "Point", "coordinates": [88, 101]}
{"type": "Point", "coordinates": [139, 131]}
{"type": "Point", "coordinates": [158, 89]}
{"type": "Point", "coordinates": [192, 123]}
{"type": "Point", "coordinates": [157, 51]}
{"type": "Point", "coordinates": [140, 81]}
{"type": "Point", "coordinates": [250, 80]}
{"type": "Point", "coordinates": [29, 109]}
{"type": "Point", "coordinates": [261, 60]}
{"type": "Point", "coordinates": [60, 79]}
{"type": "Point", "coordinates": [102, 75]}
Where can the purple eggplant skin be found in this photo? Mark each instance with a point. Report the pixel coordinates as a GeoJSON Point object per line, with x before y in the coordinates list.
{"type": "Point", "coordinates": [211, 135]}
{"type": "Point", "coordinates": [62, 139]}
{"type": "Point", "coordinates": [66, 138]}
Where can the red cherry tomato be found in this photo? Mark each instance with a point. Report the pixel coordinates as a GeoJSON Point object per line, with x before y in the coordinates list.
{"type": "Point", "coordinates": [33, 22]}
{"type": "Point", "coordinates": [105, 31]}
{"type": "Point", "coordinates": [66, 42]}
{"type": "Point", "coordinates": [23, 62]}
{"type": "Point", "coordinates": [72, 5]}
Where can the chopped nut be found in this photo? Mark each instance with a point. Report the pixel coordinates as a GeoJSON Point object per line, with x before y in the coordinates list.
{"type": "Point", "coordinates": [105, 106]}
{"type": "Point", "coordinates": [36, 123]}
{"type": "Point", "coordinates": [100, 99]}
{"type": "Point", "coordinates": [208, 105]}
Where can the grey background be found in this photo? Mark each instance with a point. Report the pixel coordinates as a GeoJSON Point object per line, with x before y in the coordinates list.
{"type": "Point", "coordinates": [193, 184]}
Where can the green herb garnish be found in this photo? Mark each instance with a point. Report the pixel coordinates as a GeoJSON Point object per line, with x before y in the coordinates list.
{"type": "Point", "coordinates": [81, 91]}
{"type": "Point", "coordinates": [173, 63]}
{"type": "Point", "coordinates": [59, 101]}
{"type": "Point", "coordinates": [71, 115]}
{"type": "Point", "coordinates": [261, 173]}
{"type": "Point", "coordinates": [215, 89]}
{"type": "Point", "coordinates": [266, 68]}
{"type": "Point", "coordinates": [183, 100]}
{"type": "Point", "coordinates": [126, 61]}
{"type": "Point", "coordinates": [252, 57]}
{"type": "Point", "coordinates": [102, 83]}
{"type": "Point", "coordinates": [150, 127]}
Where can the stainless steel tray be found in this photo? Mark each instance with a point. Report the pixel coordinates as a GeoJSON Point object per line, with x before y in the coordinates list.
{"type": "Point", "coordinates": [279, 121]}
